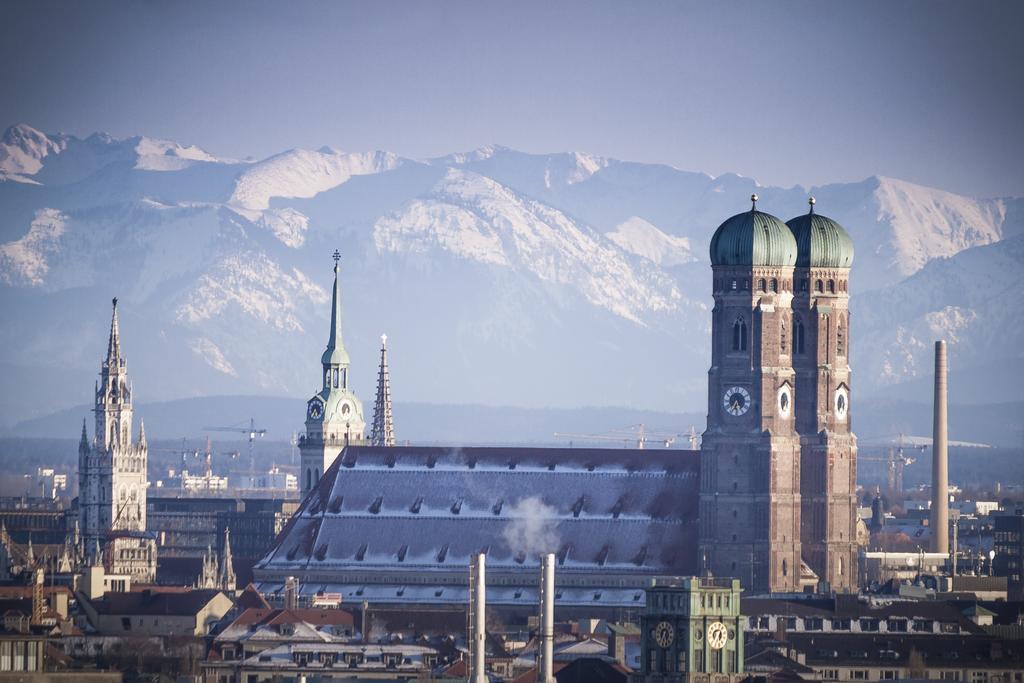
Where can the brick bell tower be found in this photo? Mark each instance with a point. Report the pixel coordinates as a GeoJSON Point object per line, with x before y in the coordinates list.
{"type": "Point", "coordinates": [821, 348]}
{"type": "Point", "coordinates": [750, 455]}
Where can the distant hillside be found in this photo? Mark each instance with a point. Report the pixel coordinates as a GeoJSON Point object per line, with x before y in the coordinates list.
{"type": "Point", "coordinates": [874, 420]}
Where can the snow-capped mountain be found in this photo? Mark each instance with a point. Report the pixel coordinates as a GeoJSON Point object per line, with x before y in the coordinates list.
{"type": "Point", "coordinates": [500, 277]}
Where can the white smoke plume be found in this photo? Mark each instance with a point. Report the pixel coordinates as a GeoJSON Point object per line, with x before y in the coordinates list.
{"type": "Point", "coordinates": [532, 528]}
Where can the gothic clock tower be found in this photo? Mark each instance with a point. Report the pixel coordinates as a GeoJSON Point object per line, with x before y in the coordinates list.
{"type": "Point", "coordinates": [334, 416]}
{"type": "Point", "coordinates": [821, 351]}
{"type": "Point", "coordinates": [750, 454]}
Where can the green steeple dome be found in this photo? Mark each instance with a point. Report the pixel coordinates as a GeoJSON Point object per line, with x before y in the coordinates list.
{"type": "Point", "coordinates": [821, 242]}
{"type": "Point", "coordinates": [753, 238]}
{"type": "Point", "coordinates": [335, 353]}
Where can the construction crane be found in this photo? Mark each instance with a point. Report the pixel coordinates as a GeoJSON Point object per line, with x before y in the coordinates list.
{"type": "Point", "coordinates": [635, 435]}
{"type": "Point", "coordinates": [896, 460]}
{"type": "Point", "coordinates": [254, 433]}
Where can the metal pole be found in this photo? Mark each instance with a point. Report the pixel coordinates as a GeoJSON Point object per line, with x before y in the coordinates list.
{"type": "Point", "coordinates": [549, 618]}
{"type": "Point", "coordinates": [479, 619]}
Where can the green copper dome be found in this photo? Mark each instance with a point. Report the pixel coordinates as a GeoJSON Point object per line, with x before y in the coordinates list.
{"type": "Point", "coordinates": [753, 238]}
{"type": "Point", "coordinates": [821, 242]}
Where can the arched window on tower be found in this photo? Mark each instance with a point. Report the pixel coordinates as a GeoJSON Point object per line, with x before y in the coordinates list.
{"type": "Point", "coordinates": [783, 339]}
{"type": "Point", "coordinates": [775, 285]}
{"type": "Point", "coordinates": [819, 286]}
{"type": "Point", "coordinates": [739, 335]}
{"type": "Point", "coordinates": [840, 339]}
{"type": "Point", "coordinates": [798, 336]}
{"type": "Point", "coordinates": [761, 285]}
{"type": "Point", "coordinates": [831, 286]}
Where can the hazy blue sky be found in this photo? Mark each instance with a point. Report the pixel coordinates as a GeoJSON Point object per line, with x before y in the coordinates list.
{"type": "Point", "coordinates": [786, 92]}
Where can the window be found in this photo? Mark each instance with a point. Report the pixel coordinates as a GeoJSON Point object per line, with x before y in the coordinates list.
{"type": "Point", "coordinates": [819, 286]}
{"type": "Point", "coordinates": [785, 572]}
{"type": "Point", "coordinates": [859, 675]}
{"type": "Point", "coordinates": [126, 623]}
{"type": "Point", "coordinates": [923, 625]}
{"type": "Point", "coordinates": [830, 674]}
{"type": "Point", "coordinates": [760, 285]}
{"type": "Point", "coordinates": [896, 625]}
{"type": "Point", "coordinates": [775, 285]}
{"type": "Point", "coordinates": [831, 286]}
{"type": "Point", "coordinates": [840, 624]}
{"type": "Point", "coordinates": [840, 339]}
{"type": "Point", "coordinates": [739, 335]}
{"type": "Point", "coordinates": [798, 335]}
{"type": "Point", "coordinates": [869, 625]}
{"type": "Point", "coordinates": [890, 674]}
{"type": "Point", "coordinates": [813, 624]}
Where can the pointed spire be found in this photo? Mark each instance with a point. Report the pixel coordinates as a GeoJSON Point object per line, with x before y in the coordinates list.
{"type": "Point", "coordinates": [383, 432]}
{"type": "Point", "coordinates": [227, 572]}
{"type": "Point", "coordinates": [335, 353]}
{"type": "Point", "coordinates": [97, 556]}
{"type": "Point", "coordinates": [114, 345]}
{"type": "Point", "coordinates": [85, 437]}
{"type": "Point", "coordinates": [142, 433]}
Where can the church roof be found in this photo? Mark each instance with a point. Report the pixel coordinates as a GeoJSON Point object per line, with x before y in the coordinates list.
{"type": "Point", "coordinates": [335, 354]}
{"type": "Point", "coordinates": [821, 242]}
{"type": "Point", "coordinates": [427, 509]}
{"type": "Point", "coordinates": [753, 238]}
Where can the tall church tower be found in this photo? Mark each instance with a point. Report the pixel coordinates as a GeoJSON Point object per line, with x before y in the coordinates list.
{"type": "Point", "coordinates": [750, 453]}
{"type": "Point", "coordinates": [383, 431]}
{"type": "Point", "coordinates": [334, 416]}
{"type": "Point", "coordinates": [112, 469]}
{"type": "Point", "coordinates": [821, 348]}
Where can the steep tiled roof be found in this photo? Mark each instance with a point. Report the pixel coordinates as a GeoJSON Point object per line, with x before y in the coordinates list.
{"type": "Point", "coordinates": [171, 603]}
{"type": "Point", "coordinates": [427, 509]}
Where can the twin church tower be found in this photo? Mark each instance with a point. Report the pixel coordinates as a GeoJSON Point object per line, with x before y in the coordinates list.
{"type": "Point", "coordinates": [778, 460]}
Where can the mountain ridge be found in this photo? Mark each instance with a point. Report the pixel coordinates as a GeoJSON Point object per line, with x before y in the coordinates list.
{"type": "Point", "coordinates": [562, 278]}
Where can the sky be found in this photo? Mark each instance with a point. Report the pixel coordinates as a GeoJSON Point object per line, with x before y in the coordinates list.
{"type": "Point", "coordinates": [785, 92]}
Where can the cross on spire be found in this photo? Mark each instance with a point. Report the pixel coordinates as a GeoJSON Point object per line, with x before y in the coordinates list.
{"type": "Point", "coordinates": [337, 257]}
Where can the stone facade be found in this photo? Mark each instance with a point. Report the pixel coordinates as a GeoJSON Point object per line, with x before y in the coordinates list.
{"type": "Point", "coordinates": [778, 460]}
{"type": "Point", "coordinates": [113, 474]}
{"type": "Point", "coordinates": [750, 460]}
{"type": "Point", "coordinates": [828, 448]}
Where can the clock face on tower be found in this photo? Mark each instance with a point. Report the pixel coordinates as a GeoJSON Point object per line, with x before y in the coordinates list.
{"type": "Point", "coordinates": [664, 634]}
{"type": "Point", "coordinates": [785, 401]}
{"type": "Point", "coordinates": [736, 401]}
{"type": "Point", "coordinates": [842, 403]}
{"type": "Point", "coordinates": [718, 634]}
{"type": "Point", "coordinates": [316, 409]}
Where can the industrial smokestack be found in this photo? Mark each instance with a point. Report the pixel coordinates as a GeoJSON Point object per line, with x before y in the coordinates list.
{"type": "Point", "coordinates": [547, 621]}
{"type": "Point", "coordinates": [478, 616]}
{"type": "Point", "coordinates": [940, 458]}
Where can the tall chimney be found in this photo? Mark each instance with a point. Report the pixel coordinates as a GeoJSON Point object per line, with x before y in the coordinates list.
{"type": "Point", "coordinates": [547, 623]}
{"type": "Point", "coordinates": [291, 593]}
{"type": "Point", "coordinates": [940, 473]}
{"type": "Point", "coordinates": [478, 596]}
